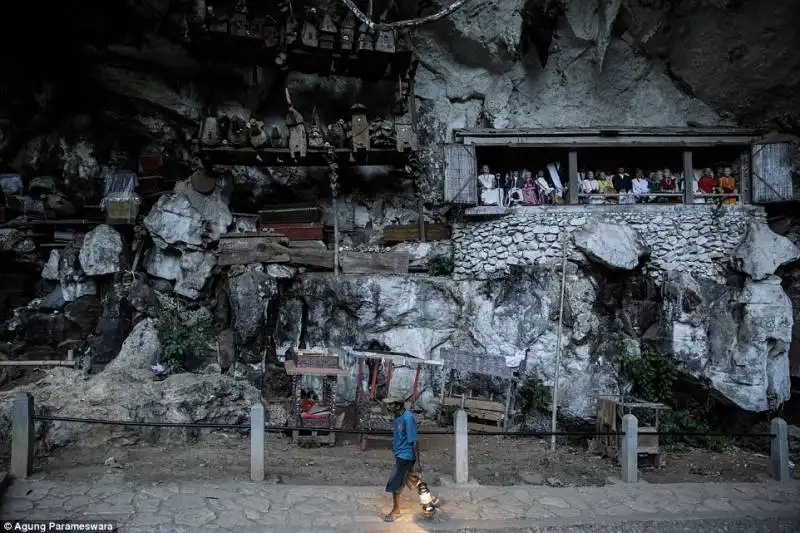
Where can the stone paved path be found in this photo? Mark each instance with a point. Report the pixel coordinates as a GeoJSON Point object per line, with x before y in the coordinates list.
{"type": "Point", "coordinates": [236, 506]}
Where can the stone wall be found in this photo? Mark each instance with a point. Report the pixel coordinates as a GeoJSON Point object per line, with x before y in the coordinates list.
{"type": "Point", "coordinates": [696, 239]}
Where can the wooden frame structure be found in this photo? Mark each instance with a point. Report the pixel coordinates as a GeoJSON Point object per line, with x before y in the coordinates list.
{"type": "Point", "coordinates": [763, 162]}
{"type": "Point", "coordinates": [318, 429]}
{"type": "Point", "coordinates": [610, 410]}
{"type": "Point", "coordinates": [487, 415]}
{"type": "Point", "coordinates": [393, 359]}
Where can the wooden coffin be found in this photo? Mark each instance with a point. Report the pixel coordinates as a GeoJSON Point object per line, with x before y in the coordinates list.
{"type": "Point", "coordinates": [298, 231]}
{"type": "Point", "coordinates": [252, 247]}
{"type": "Point", "coordinates": [150, 184]}
{"type": "Point", "coordinates": [410, 232]}
{"type": "Point", "coordinates": [374, 263]}
{"type": "Point", "coordinates": [322, 259]}
{"type": "Point", "coordinates": [286, 214]}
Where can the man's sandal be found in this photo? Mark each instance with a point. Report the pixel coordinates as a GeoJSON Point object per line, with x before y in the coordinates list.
{"type": "Point", "coordinates": [391, 517]}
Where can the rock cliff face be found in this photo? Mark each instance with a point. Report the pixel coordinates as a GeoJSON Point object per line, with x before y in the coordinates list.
{"type": "Point", "coordinates": [703, 286]}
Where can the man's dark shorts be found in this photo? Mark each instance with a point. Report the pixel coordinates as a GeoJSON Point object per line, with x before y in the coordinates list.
{"type": "Point", "coordinates": [399, 476]}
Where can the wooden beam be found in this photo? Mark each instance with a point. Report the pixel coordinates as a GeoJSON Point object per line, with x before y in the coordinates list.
{"type": "Point", "coordinates": [688, 177]}
{"type": "Point", "coordinates": [522, 141]}
{"type": "Point", "coordinates": [574, 186]}
{"type": "Point", "coordinates": [606, 131]}
{"type": "Point", "coordinates": [313, 258]}
{"type": "Point", "coordinates": [371, 263]}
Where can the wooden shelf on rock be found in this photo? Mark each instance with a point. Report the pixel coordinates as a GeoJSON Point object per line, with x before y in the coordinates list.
{"type": "Point", "coordinates": [280, 157]}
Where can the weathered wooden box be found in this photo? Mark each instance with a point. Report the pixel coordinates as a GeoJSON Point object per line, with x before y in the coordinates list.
{"type": "Point", "coordinates": [122, 211]}
{"type": "Point", "coordinates": [297, 231]}
{"type": "Point", "coordinates": [314, 359]}
{"type": "Point", "coordinates": [287, 214]}
{"type": "Point", "coordinates": [410, 232]}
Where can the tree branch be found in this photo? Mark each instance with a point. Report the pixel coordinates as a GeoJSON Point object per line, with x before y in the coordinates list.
{"type": "Point", "coordinates": [402, 23]}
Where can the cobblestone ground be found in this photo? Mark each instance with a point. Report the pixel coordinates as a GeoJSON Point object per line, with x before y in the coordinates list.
{"type": "Point", "coordinates": [244, 506]}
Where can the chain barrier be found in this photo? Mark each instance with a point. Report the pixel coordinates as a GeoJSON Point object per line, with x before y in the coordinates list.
{"type": "Point", "coordinates": [281, 429]}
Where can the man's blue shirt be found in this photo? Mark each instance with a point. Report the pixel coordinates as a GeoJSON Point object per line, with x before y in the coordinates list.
{"type": "Point", "coordinates": [404, 435]}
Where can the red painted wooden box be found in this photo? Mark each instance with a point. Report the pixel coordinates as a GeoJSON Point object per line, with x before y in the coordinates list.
{"type": "Point", "coordinates": [298, 231]}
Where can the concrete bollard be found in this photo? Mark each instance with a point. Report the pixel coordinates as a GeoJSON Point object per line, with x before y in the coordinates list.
{"type": "Point", "coordinates": [462, 448]}
{"type": "Point", "coordinates": [257, 442]}
{"type": "Point", "coordinates": [629, 457]}
{"type": "Point", "coordinates": [779, 450]}
{"type": "Point", "coordinates": [23, 437]}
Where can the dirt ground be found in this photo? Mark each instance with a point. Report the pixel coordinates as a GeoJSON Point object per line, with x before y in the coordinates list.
{"type": "Point", "coordinates": [493, 461]}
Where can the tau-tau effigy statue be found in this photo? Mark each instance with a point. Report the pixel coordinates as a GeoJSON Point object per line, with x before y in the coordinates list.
{"type": "Point", "coordinates": [316, 135]}
{"type": "Point", "coordinates": [383, 134]}
{"type": "Point", "coordinates": [237, 134]}
{"type": "Point", "coordinates": [359, 128]}
{"type": "Point", "coordinates": [298, 141]}
{"type": "Point", "coordinates": [337, 134]}
{"type": "Point", "coordinates": [258, 134]}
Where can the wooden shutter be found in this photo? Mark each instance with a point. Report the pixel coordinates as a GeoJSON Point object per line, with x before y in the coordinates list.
{"type": "Point", "coordinates": [771, 171]}
{"type": "Point", "coordinates": [460, 174]}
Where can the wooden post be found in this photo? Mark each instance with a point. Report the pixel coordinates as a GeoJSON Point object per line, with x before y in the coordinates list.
{"type": "Point", "coordinates": [257, 442]}
{"type": "Point", "coordinates": [462, 450]}
{"type": "Point", "coordinates": [574, 186]}
{"type": "Point", "coordinates": [509, 390]}
{"type": "Point", "coordinates": [554, 408]}
{"type": "Point", "coordinates": [629, 457]}
{"type": "Point", "coordinates": [779, 451]}
{"type": "Point", "coordinates": [23, 437]}
{"type": "Point", "coordinates": [335, 237]}
{"type": "Point", "coordinates": [688, 178]}
{"type": "Point", "coordinates": [421, 219]}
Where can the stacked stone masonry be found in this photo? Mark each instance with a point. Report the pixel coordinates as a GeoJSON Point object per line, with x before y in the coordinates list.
{"type": "Point", "coordinates": [691, 238]}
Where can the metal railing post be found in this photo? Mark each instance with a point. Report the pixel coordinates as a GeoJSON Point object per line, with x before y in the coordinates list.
{"type": "Point", "coordinates": [462, 448]}
{"type": "Point", "coordinates": [779, 450]}
{"type": "Point", "coordinates": [257, 430]}
{"type": "Point", "coordinates": [23, 436]}
{"type": "Point", "coordinates": [629, 457]}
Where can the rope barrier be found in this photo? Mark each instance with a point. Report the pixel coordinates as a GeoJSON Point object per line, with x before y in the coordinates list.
{"type": "Point", "coordinates": [281, 429]}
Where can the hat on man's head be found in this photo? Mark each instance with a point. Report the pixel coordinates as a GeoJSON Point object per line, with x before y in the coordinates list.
{"type": "Point", "coordinates": [389, 400]}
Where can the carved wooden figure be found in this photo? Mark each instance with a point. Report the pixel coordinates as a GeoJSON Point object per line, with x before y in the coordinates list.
{"type": "Point", "coordinates": [298, 140]}
{"type": "Point", "coordinates": [327, 33]}
{"type": "Point", "coordinates": [406, 136]}
{"type": "Point", "coordinates": [404, 40]}
{"type": "Point", "coordinates": [239, 21]}
{"type": "Point", "coordinates": [316, 135]}
{"type": "Point", "coordinates": [359, 127]}
{"type": "Point", "coordinates": [310, 34]}
{"type": "Point", "coordinates": [364, 39]}
{"type": "Point", "coordinates": [209, 131]}
{"type": "Point", "coordinates": [238, 134]}
{"type": "Point", "coordinates": [347, 32]}
{"type": "Point", "coordinates": [271, 32]}
{"type": "Point", "coordinates": [385, 41]}
{"type": "Point", "coordinates": [217, 22]}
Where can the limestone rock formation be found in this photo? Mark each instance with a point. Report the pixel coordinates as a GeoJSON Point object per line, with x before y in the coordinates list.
{"type": "Point", "coordinates": [616, 246]}
{"type": "Point", "coordinates": [129, 394]}
{"type": "Point", "coordinates": [762, 252]}
{"type": "Point", "coordinates": [101, 252]}
{"type": "Point", "coordinates": [140, 350]}
{"type": "Point", "coordinates": [251, 294]}
{"type": "Point", "coordinates": [738, 340]}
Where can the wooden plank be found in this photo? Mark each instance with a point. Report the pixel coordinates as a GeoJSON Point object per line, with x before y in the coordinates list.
{"type": "Point", "coordinates": [688, 177]}
{"type": "Point", "coordinates": [290, 214]}
{"type": "Point", "coordinates": [374, 263]}
{"type": "Point", "coordinates": [312, 245]}
{"type": "Point", "coordinates": [605, 130]}
{"type": "Point", "coordinates": [771, 165]}
{"type": "Point", "coordinates": [574, 185]}
{"type": "Point", "coordinates": [494, 416]}
{"type": "Point", "coordinates": [460, 174]}
{"type": "Point", "coordinates": [520, 141]}
{"type": "Point", "coordinates": [411, 232]}
{"type": "Point", "coordinates": [479, 405]}
{"type": "Point", "coordinates": [292, 370]}
{"type": "Point", "coordinates": [313, 258]}
{"type": "Point", "coordinates": [298, 231]}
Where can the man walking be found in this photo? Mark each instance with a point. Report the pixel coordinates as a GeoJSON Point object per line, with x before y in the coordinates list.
{"type": "Point", "coordinates": [405, 448]}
